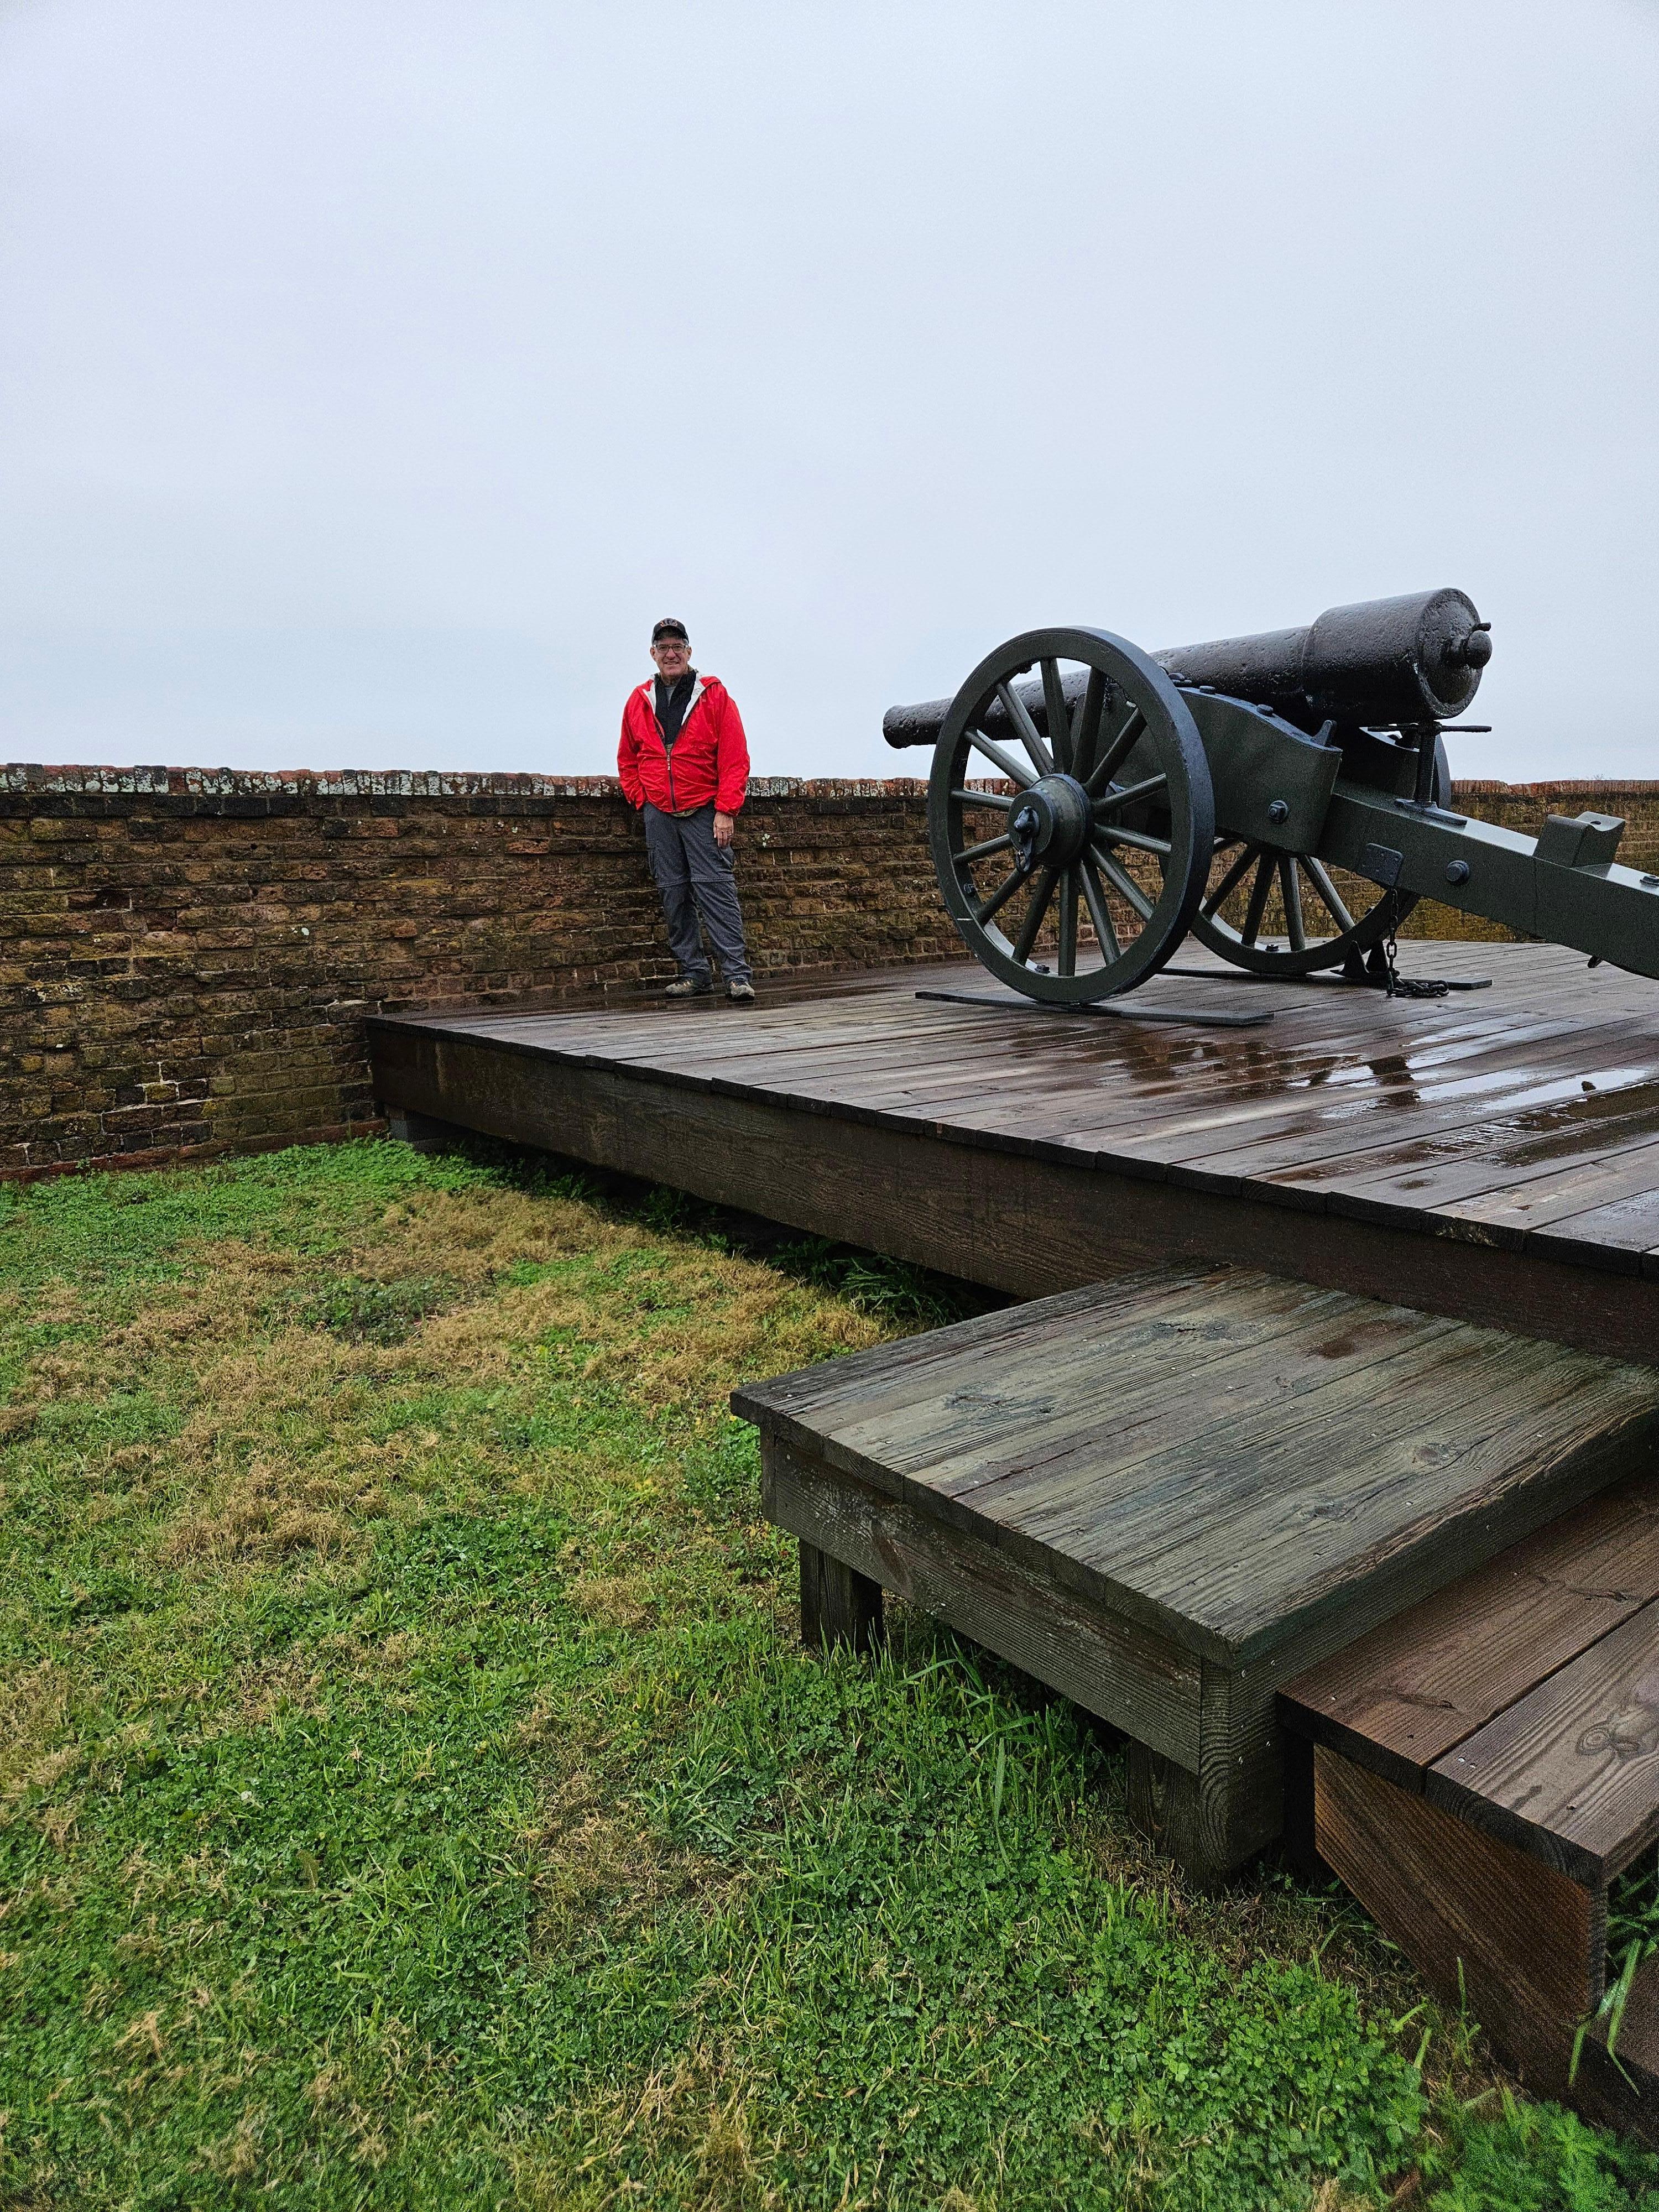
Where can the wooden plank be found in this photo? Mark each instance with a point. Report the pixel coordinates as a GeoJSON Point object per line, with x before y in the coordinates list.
{"type": "Point", "coordinates": [978, 1426]}
{"type": "Point", "coordinates": [1402, 1697]}
{"type": "Point", "coordinates": [896, 1373]}
{"type": "Point", "coordinates": [983, 1371]}
{"type": "Point", "coordinates": [1343, 1113]}
{"type": "Point", "coordinates": [1627, 1227]}
{"type": "Point", "coordinates": [1307, 1527]}
{"type": "Point", "coordinates": [1570, 1771]}
{"type": "Point", "coordinates": [1141, 1683]}
{"type": "Point", "coordinates": [1111, 1379]}
{"type": "Point", "coordinates": [1222, 1152]}
{"type": "Point", "coordinates": [1472, 1446]}
{"type": "Point", "coordinates": [1436, 1063]}
{"type": "Point", "coordinates": [1175, 1100]}
{"type": "Point", "coordinates": [1400, 1181]}
{"type": "Point", "coordinates": [1179, 1400]}
{"type": "Point", "coordinates": [1529, 1941]}
{"type": "Point", "coordinates": [1605, 1187]}
{"type": "Point", "coordinates": [1413, 1173]}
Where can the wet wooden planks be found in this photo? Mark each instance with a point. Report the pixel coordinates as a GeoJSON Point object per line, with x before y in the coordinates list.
{"type": "Point", "coordinates": [1497, 1150]}
{"type": "Point", "coordinates": [1487, 1762]}
{"type": "Point", "coordinates": [1402, 1697]}
{"type": "Point", "coordinates": [1216, 1463]}
{"type": "Point", "coordinates": [1523, 1698]}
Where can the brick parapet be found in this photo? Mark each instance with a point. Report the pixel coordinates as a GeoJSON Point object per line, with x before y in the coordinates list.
{"type": "Point", "coordinates": [187, 954]}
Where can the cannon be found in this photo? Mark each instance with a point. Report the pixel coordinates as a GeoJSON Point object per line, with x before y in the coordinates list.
{"type": "Point", "coordinates": [1283, 798]}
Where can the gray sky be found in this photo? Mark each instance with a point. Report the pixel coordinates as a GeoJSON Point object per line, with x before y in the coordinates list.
{"type": "Point", "coordinates": [371, 376]}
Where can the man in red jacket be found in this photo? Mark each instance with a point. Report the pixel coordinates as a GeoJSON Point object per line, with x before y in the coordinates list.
{"type": "Point", "coordinates": [685, 765]}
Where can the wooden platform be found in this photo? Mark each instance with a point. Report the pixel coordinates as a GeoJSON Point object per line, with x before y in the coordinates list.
{"type": "Point", "coordinates": [1165, 1494]}
{"type": "Point", "coordinates": [1492, 1155]}
{"type": "Point", "coordinates": [1484, 1764]}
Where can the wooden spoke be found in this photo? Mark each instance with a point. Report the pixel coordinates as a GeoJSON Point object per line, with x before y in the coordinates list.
{"type": "Point", "coordinates": [1290, 890]}
{"type": "Point", "coordinates": [1125, 885]}
{"type": "Point", "coordinates": [1004, 763]}
{"type": "Point", "coordinates": [1116, 753]}
{"type": "Point", "coordinates": [1085, 731]}
{"type": "Point", "coordinates": [1067, 961]}
{"type": "Point", "coordinates": [1004, 893]}
{"type": "Point", "coordinates": [1258, 905]}
{"type": "Point", "coordinates": [981, 852]}
{"type": "Point", "coordinates": [1142, 840]}
{"type": "Point", "coordinates": [1100, 913]}
{"type": "Point", "coordinates": [1322, 934]}
{"type": "Point", "coordinates": [1231, 881]}
{"type": "Point", "coordinates": [1060, 722]}
{"type": "Point", "coordinates": [1330, 894]}
{"type": "Point", "coordinates": [1025, 729]}
{"type": "Point", "coordinates": [1129, 792]}
{"type": "Point", "coordinates": [1040, 899]}
{"type": "Point", "coordinates": [999, 799]}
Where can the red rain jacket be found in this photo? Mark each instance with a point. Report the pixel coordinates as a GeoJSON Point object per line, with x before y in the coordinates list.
{"type": "Point", "coordinates": [708, 760]}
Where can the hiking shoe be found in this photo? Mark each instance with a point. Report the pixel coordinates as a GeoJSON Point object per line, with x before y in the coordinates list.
{"type": "Point", "coordinates": [745, 992]}
{"type": "Point", "coordinates": [688, 987]}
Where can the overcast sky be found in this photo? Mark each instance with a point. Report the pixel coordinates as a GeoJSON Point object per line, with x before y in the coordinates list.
{"type": "Point", "coordinates": [371, 376]}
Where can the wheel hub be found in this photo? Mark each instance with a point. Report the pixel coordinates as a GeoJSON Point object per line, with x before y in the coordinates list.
{"type": "Point", "coordinates": [1050, 823]}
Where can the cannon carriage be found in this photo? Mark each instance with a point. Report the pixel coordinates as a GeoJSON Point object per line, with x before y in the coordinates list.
{"type": "Point", "coordinates": [1283, 798]}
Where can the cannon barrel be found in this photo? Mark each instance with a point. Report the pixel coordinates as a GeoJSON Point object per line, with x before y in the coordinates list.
{"type": "Point", "coordinates": [1384, 663]}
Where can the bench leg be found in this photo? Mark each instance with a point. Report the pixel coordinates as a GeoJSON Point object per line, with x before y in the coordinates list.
{"type": "Point", "coordinates": [421, 1132]}
{"type": "Point", "coordinates": [1172, 1810]}
{"type": "Point", "coordinates": [1162, 1804]}
{"type": "Point", "coordinates": [838, 1605]}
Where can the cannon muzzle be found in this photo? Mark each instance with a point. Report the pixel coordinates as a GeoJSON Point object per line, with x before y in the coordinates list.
{"type": "Point", "coordinates": [1383, 663]}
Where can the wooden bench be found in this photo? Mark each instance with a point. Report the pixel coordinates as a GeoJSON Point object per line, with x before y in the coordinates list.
{"type": "Point", "coordinates": [1481, 1767]}
{"type": "Point", "coordinates": [1167, 1494]}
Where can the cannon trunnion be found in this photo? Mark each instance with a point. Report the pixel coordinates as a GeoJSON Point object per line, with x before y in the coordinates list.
{"type": "Point", "coordinates": [1282, 797]}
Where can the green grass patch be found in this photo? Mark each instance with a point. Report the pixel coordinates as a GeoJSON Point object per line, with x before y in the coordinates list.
{"type": "Point", "coordinates": [413, 1793]}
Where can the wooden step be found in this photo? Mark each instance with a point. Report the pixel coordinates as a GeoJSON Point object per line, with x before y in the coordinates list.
{"type": "Point", "coordinates": [1166, 1494]}
{"type": "Point", "coordinates": [1479, 1769]}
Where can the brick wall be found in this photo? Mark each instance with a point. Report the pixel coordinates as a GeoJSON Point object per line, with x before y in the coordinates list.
{"type": "Point", "coordinates": [189, 954]}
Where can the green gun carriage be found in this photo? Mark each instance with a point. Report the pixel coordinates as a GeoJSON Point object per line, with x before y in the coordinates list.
{"type": "Point", "coordinates": [1283, 798]}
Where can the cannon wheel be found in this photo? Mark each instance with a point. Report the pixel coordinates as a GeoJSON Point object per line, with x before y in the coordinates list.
{"type": "Point", "coordinates": [1116, 767]}
{"type": "Point", "coordinates": [1245, 877]}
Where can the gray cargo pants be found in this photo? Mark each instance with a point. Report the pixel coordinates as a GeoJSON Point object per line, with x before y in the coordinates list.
{"type": "Point", "coordinates": [694, 878]}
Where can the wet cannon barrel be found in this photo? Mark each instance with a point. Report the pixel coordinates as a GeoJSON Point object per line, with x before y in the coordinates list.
{"type": "Point", "coordinates": [1383, 664]}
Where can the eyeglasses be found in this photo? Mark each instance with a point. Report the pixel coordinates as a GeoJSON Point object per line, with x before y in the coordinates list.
{"type": "Point", "coordinates": [672, 645]}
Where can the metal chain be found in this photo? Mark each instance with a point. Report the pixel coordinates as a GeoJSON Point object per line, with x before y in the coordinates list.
{"type": "Point", "coordinates": [1391, 944]}
{"type": "Point", "coordinates": [1406, 987]}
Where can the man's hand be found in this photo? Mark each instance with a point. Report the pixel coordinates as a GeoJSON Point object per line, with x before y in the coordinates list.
{"type": "Point", "coordinates": [725, 826]}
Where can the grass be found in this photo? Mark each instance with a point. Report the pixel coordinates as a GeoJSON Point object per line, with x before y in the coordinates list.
{"type": "Point", "coordinates": [412, 1792]}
